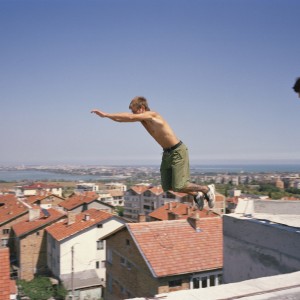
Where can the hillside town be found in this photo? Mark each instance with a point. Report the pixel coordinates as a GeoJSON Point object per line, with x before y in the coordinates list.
{"type": "Point", "coordinates": [116, 241]}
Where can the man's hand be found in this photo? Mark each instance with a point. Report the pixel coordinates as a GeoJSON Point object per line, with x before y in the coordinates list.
{"type": "Point", "coordinates": [99, 113]}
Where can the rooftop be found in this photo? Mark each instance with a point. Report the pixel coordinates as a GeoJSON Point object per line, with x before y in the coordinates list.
{"type": "Point", "coordinates": [167, 255]}
{"type": "Point", "coordinates": [77, 200]}
{"type": "Point", "coordinates": [181, 210]}
{"type": "Point", "coordinates": [11, 208]}
{"type": "Point", "coordinates": [64, 229]}
{"type": "Point", "coordinates": [281, 212]}
{"type": "Point", "coordinates": [45, 218]}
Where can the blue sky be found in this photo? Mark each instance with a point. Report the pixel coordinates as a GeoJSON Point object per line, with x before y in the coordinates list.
{"type": "Point", "coordinates": [220, 71]}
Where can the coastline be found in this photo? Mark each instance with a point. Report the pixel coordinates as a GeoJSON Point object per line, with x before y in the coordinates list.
{"type": "Point", "coordinates": [87, 173]}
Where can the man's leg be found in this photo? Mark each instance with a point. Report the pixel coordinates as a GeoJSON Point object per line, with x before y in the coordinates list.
{"type": "Point", "coordinates": [200, 192]}
{"type": "Point", "coordinates": [166, 173]}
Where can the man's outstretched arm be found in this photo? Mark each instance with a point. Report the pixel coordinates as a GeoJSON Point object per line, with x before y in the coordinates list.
{"type": "Point", "coordinates": [124, 117]}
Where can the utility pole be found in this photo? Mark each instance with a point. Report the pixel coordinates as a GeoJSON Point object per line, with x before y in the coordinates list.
{"type": "Point", "coordinates": [72, 271]}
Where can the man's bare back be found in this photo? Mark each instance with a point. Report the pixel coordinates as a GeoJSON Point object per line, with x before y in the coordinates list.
{"type": "Point", "coordinates": [160, 130]}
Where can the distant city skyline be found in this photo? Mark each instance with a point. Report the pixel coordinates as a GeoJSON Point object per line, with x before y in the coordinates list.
{"type": "Point", "coordinates": [221, 73]}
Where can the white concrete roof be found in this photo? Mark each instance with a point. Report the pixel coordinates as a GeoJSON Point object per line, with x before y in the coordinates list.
{"type": "Point", "coordinates": [285, 287]}
{"type": "Point", "coordinates": [276, 211]}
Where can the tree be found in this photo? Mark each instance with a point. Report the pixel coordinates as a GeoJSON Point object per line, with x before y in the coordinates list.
{"type": "Point", "coordinates": [41, 288]}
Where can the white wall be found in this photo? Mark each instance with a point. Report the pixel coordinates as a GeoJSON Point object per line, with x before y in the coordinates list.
{"type": "Point", "coordinates": [254, 248]}
{"type": "Point", "coordinates": [85, 252]}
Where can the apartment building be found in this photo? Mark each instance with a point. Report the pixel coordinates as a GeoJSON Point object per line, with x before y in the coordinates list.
{"type": "Point", "coordinates": [38, 189]}
{"type": "Point", "coordinates": [77, 251]}
{"type": "Point", "coordinates": [29, 242]}
{"type": "Point", "coordinates": [116, 186]}
{"type": "Point", "coordinates": [142, 200]}
{"type": "Point", "coordinates": [87, 186]}
{"type": "Point", "coordinates": [144, 259]}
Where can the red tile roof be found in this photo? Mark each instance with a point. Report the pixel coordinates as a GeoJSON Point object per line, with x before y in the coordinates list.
{"type": "Point", "coordinates": [5, 198]}
{"type": "Point", "coordinates": [11, 209]}
{"type": "Point", "coordinates": [34, 198]}
{"type": "Point", "coordinates": [62, 230]}
{"type": "Point", "coordinates": [156, 190]}
{"type": "Point", "coordinates": [76, 200]}
{"type": "Point", "coordinates": [181, 210]}
{"type": "Point", "coordinates": [46, 217]}
{"type": "Point", "coordinates": [4, 274]}
{"type": "Point", "coordinates": [139, 189]}
{"type": "Point", "coordinates": [175, 247]}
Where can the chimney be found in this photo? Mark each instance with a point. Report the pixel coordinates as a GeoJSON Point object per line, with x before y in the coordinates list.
{"type": "Point", "coordinates": [195, 222]}
{"type": "Point", "coordinates": [71, 217]}
{"type": "Point", "coordinates": [172, 216]}
{"type": "Point", "coordinates": [188, 210]}
{"type": "Point", "coordinates": [87, 217]}
{"type": "Point", "coordinates": [34, 214]}
{"type": "Point", "coordinates": [141, 218]}
{"type": "Point", "coordinates": [170, 206]}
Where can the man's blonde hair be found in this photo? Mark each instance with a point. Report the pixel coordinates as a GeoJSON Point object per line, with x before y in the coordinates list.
{"type": "Point", "coordinates": [138, 102]}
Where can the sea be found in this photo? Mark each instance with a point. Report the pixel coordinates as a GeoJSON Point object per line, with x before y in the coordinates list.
{"type": "Point", "coordinates": [36, 175]}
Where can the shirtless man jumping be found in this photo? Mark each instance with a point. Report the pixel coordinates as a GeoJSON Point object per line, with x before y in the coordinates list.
{"type": "Point", "coordinates": [174, 169]}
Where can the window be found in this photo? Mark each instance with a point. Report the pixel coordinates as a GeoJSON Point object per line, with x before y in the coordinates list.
{"type": "Point", "coordinates": [4, 242]}
{"type": "Point", "coordinates": [5, 231]}
{"type": "Point", "coordinates": [122, 260]}
{"type": "Point", "coordinates": [100, 245]}
{"type": "Point", "coordinates": [100, 226]}
{"type": "Point", "coordinates": [109, 256]}
{"type": "Point", "coordinates": [128, 265]}
{"type": "Point", "coordinates": [196, 283]}
{"type": "Point", "coordinates": [97, 264]}
{"type": "Point", "coordinates": [212, 280]}
{"type": "Point", "coordinates": [175, 283]}
{"type": "Point", "coordinates": [206, 281]}
{"type": "Point", "coordinates": [109, 283]}
{"type": "Point", "coordinates": [127, 242]}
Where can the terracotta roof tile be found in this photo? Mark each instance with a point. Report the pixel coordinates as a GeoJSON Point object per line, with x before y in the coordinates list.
{"type": "Point", "coordinates": [46, 217]}
{"type": "Point", "coordinates": [76, 200]}
{"type": "Point", "coordinates": [175, 247]}
{"type": "Point", "coordinates": [156, 190]}
{"type": "Point", "coordinates": [139, 189]}
{"type": "Point", "coordinates": [35, 198]}
{"type": "Point", "coordinates": [11, 208]}
{"type": "Point", "coordinates": [62, 230]}
{"type": "Point", "coordinates": [181, 210]}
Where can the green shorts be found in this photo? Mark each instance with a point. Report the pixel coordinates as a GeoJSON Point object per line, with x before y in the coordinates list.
{"type": "Point", "coordinates": [175, 169]}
